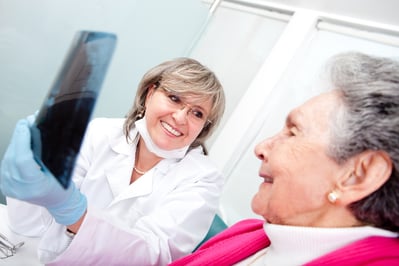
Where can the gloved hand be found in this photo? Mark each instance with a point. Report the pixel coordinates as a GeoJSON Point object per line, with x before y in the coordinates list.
{"type": "Point", "coordinates": [22, 178]}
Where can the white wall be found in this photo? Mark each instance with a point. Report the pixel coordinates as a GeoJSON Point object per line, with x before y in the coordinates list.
{"type": "Point", "coordinates": [36, 35]}
{"type": "Point", "coordinates": [284, 80]}
{"type": "Point", "coordinates": [381, 11]}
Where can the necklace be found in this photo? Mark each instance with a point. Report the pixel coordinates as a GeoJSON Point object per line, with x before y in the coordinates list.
{"type": "Point", "coordinates": [139, 171]}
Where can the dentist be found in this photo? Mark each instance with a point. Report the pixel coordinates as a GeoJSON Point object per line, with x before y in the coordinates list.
{"type": "Point", "coordinates": [143, 192]}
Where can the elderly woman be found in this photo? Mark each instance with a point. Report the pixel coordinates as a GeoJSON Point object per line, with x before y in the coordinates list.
{"type": "Point", "coordinates": [330, 190]}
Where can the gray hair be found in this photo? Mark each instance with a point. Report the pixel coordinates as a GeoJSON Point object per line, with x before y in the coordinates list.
{"type": "Point", "coordinates": [368, 119]}
{"type": "Point", "coordinates": [186, 76]}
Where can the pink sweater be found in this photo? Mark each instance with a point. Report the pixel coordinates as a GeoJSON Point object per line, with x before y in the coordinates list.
{"type": "Point", "coordinates": [247, 237]}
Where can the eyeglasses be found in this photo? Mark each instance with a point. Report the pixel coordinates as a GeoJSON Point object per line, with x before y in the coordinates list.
{"type": "Point", "coordinates": [8, 249]}
{"type": "Point", "coordinates": [195, 114]}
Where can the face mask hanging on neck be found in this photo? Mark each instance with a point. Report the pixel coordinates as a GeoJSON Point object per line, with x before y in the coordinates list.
{"type": "Point", "coordinates": [141, 126]}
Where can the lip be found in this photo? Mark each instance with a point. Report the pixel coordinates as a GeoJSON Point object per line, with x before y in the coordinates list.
{"type": "Point", "coordinates": [266, 178]}
{"type": "Point", "coordinates": [171, 130]}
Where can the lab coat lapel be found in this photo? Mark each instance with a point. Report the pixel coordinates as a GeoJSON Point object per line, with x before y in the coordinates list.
{"type": "Point", "coordinates": [140, 187]}
{"type": "Point", "coordinates": [118, 176]}
{"type": "Point", "coordinates": [120, 170]}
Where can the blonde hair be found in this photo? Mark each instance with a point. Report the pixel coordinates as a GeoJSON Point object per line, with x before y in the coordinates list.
{"type": "Point", "coordinates": [185, 76]}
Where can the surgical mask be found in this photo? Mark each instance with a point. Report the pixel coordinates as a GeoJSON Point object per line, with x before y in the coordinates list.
{"type": "Point", "coordinates": [141, 126]}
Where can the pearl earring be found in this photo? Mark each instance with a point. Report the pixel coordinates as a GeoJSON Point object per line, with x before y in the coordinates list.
{"type": "Point", "coordinates": [332, 196]}
{"type": "Point", "coordinates": [140, 114]}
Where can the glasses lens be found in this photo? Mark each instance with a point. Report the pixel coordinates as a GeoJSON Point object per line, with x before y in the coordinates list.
{"type": "Point", "coordinates": [7, 248]}
{"type": "Point", "coordinates": [174, 100]}
{"type": "Point", "coordinates": [5, 252]}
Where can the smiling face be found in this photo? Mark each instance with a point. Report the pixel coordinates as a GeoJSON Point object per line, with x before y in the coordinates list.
{"type": "Point", "coordinates": [296, 170]}
{"type": "Point", "coordinates": [172, 119]}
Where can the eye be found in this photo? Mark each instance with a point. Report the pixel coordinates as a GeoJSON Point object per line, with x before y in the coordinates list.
{"type": "Point", "coordinates": [197, 113]}
{"type": "Point", "coordinates": [293, 131]}
{"type": "Point", "coordinates": [174, 98]}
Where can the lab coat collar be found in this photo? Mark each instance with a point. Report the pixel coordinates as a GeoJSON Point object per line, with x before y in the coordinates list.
{"type": "Point", "coordinates": [140, 187]}
{"type": "Point", "coordinates": [120, 145]}
{"type": "Point", "coordinates": [119, 175]}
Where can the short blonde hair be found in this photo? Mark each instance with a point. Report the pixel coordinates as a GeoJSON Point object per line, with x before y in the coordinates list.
{"type": "Point", "coordinates": [185, 76]}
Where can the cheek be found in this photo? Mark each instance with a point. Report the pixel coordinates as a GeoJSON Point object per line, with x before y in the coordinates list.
{"type": "Point", "coordinates": [259, 202]}
{"type": "Point", "coordinates": [291, 195]}
{"type": "Point", "coordinates": [195, 131]}
{"type": "Point", "coordinates": [302, 175]}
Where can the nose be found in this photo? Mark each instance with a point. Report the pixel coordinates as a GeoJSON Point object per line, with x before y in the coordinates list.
{"type": "Point", "coordinates": [181, 114]}
{"type": "Point", "coordinates": [263, 147]}
{"type": "Point", "coordinates": [260, 150]}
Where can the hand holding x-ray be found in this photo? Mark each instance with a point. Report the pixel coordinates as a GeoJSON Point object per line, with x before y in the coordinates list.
{"type": "Point", "coordinates": [22, 178]}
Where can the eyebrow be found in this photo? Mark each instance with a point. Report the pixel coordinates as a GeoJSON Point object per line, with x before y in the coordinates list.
{"type": "Point", "coordinates": [184, 99]}
{"type": "Point", "coordinates": [289, 120]}
{"type": "Point", "coordinates": [293, 118]}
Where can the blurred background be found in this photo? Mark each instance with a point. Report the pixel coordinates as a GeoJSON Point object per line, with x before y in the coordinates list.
{"type": "Point", "coordinates": [267, 54]}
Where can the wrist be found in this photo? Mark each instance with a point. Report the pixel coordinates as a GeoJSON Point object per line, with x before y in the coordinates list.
{"type": "Point", "coordinates": [74, 228]}
{"type": "Point", "coordinates": [71, 211]}
{"type": "Point", "coordinates": [70, 233]}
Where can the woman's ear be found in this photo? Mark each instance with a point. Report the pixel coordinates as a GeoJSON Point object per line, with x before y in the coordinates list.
{"type": "Point", "coordinates": [371, 169]}
{"type": "Point", "coordinates": [150, 91]}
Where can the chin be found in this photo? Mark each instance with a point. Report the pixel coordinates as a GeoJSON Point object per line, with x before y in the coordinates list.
{"type": "Point", "coordinates": [255, 204]}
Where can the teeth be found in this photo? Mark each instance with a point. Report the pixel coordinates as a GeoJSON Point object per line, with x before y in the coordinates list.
{"type": "Point", "coordinates": [171, 130]}
{"type": "Point", "coordinates": [268, 180]}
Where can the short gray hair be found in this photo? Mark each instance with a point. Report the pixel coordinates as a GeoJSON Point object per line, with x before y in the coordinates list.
{"type": "Point", "coordinates": [368, 119]}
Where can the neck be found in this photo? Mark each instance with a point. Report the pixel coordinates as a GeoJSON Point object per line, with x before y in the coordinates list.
{"type": "Point", "coordinates": [144, 161]}
{"type": "Point", "coordinates": [144, 158]}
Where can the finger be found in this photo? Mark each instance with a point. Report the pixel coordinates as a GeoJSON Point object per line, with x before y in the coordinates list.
{"type": "Point", "coordinates": [31, 118]}
{"type": "Point", "coordinates": [21, 162]}
{"type": "Point", "coordinates": [20, 141]}
{"type": "Point", "coordinates": [19, 151]}
{"type": "Point", "coordinates": [9, 169]}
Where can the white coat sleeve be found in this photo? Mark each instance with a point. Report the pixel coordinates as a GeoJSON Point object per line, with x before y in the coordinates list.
{"type": "Point", "coordinates": [32, 220]}
{"type": "Point", "coordinates": [172, 229]}
{"type": "Point", "coordinates": [27, 219]}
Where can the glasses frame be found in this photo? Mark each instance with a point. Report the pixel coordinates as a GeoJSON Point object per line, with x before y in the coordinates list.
{"type": "Point", "coordinates": [7, 248]}
{"type": "Point", "coordinates": [167, 90]}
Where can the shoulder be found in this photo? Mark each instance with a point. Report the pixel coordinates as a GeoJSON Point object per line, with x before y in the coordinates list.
{"type": "Point", "coordinates": [111, 127]}
{"type": "Point", "coordinates": [375, 250]}
{"type": "Point", "coordinates": [244, 231]}
{"type": "Point", "coordinates": [199, 159]}
{"type": "Point", "coordinates": [196, 166]}
{"type": "Point", "coordinates": [247, 225]}
{"type": "Point", "coordinates": [107, 124]}
{"type": "Point", "coordinates": [104, 130]}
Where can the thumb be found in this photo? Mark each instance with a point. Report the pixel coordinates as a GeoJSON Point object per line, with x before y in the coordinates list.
{"type": "Point", "coordinates": [19, 144]}
{"type": "Point", "coordinates": [19, 147]}
{"type": "Point", "coordinates": [32, 118]}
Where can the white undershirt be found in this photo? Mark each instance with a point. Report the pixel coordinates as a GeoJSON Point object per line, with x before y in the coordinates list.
{"type": "Point", "coordinates": [296, 245]}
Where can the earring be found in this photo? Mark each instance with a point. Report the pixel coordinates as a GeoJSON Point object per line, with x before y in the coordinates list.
{"type": "Point", "coordinates": [332, 196]}
{"type": "Point", "coordinates": [140, 114]}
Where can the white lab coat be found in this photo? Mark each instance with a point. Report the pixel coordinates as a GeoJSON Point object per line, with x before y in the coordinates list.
{"type": "Point", "coordinates": [160, 217]}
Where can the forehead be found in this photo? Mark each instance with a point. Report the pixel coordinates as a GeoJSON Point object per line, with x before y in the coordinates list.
{"type": "Point", "coordinates": [317, 110]}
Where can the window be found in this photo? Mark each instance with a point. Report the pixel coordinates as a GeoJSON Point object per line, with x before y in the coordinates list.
{"type": "Point", "coordinates": [235, 43]}
{"type": "Point", "coordinates": [287, 77]}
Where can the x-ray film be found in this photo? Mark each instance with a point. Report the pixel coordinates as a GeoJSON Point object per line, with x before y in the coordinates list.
{"type": "Point", "coordinates": [61, 123]}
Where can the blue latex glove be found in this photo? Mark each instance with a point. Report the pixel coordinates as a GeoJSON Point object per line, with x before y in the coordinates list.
{"type": "Point", "coordinates": [22, 178]}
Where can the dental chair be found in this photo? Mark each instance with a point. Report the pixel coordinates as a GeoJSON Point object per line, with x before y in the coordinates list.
{"type": "Point", "coordinates": [217, 226]}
